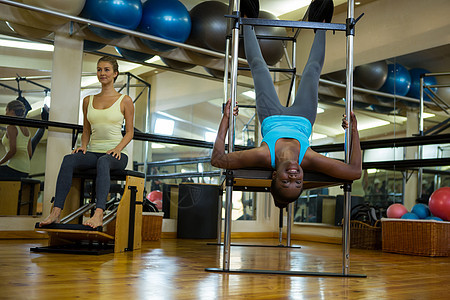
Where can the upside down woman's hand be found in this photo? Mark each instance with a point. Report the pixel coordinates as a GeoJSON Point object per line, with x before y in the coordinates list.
{"type": "Point", "coordinates": [226, 112]}
{"type": "Point", "coordinates": [353, 120]}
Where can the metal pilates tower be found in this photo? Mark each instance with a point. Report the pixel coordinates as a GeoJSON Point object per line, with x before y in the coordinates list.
{"type": "Point", "coordinates": [349, 28]}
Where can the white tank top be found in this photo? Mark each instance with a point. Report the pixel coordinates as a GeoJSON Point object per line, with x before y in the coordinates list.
{"type": "Point", "coordinates": [106, 126]}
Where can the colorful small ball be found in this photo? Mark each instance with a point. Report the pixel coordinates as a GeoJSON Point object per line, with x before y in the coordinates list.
{"type": "Point", "coordinates": [410, 216]}
{"type": "Point", "coordinates": [421, 210]}
{"type": "Point", "coordinates": [396, 211]}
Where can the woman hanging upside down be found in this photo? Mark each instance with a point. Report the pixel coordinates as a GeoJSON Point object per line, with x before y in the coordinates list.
{"type": "Point", "coordinates": [286, 130]}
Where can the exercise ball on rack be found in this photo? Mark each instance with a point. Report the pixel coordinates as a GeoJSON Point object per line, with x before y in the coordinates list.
{"type": "Point", "coordinates": [209, 26]}
{"type": "Point", "coordinates": [176, 64]}
{"type": "Point", "coordinates": [398, 80]}
{"type": "Point", "coordinates": [414, 90]}
{"type": "Point", "coordinates": [133, 55]}
{"type": "Point", "coordinates": [72, 7]}
{"type": "Point", "coordinates": [337, 76]}
{"type": "Point", "coordinates": [92, 46]}
{"type": "Point", "coordinates": [168, 19]}
{"type": "Point", "coordinates": [28, 31]}
{"type": "Point", "coordinates": [371, 76]}
{"type": "Point", "coordinates": [121, 13]}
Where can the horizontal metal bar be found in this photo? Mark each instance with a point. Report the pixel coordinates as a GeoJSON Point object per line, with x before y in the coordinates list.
{"type": "Point", "coordinates": [177, 161]}
{"type": "Point", "coordinates": [358, 89]}
{"type": "Point", "coordinates": [389, 143]}
{"type": "Point", "coordinates": [281, 70]}
{"type": "Point", "coordinates": [437, 74]}
{"type": "Point", "coordinates": [293, 24]}
{"type": "Point", "coordinates": [279, 272]}
{"type": "Point", "coordinates": [113, 28]}
{"type": "Point", "coordinates": [184, 175]}
{"type": "Point", "coordinates": [407, 164]}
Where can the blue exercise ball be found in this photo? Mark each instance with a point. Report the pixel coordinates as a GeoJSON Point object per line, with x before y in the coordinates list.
{"type": "Point", "coordinates": [421, 210]}
{"type": "Point", "coordinates": [414, 91]}
{"type": "Point", "coordinates": [398, 80]}
{"type": "Point", "coordinates": [168, 19]}
{"type": "Point", "coordinates": [133, 55]}
{"type": "Point", "coordinates": [433, 218]}
{"type": "Point", "coordinates": [410, 216]}
{"type": "Point", "coordinates": [121, 13]}
{"type": "Point", "coordinates": [92, 46]}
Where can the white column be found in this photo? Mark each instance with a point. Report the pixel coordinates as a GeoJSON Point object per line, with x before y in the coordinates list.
{"type": "Point", "coordinates": [65, 105]}
{"type": "Point", "coordinates": [412, 125]}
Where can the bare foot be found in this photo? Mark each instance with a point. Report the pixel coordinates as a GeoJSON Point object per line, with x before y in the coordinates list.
{"type": "Point", "coordinates": [52, 218]}
{"type": "Point", "coordinates": [96, 220]}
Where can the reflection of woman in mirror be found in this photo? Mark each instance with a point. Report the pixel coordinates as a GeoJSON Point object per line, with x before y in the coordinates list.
{"type": "Point", "coordinates": [102, 144]}
{"type": "Point", "coordinates": [15, 164]}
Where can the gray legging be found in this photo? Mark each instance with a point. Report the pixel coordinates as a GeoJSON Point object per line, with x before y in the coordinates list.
{"type": "Point", "coordinates": [267, 102]}
{"type": "Point", "coordinates": [104, 163]}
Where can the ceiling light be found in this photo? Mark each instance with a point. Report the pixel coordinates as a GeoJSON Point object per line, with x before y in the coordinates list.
{"type": "Point", "coordinates": [26, 45]}
{"type": "Point", "coordinates": [371, 171]}
{"type": "Point", "coordinates": [210, 136]}
{"type": "Point", "coordinates": [250, 94]}
{"type": "Point", "coordinates": [372, 124]}
{"type": "Point", "coordinates": [320, 110]}
{"type": "Point", "coordinates": [318, 136]}
{"type": "Point", "coordinates": [157, 146]}
{"type": "Point", "coordinates": [428, 115]}
{"type": "Point", "coordinates": [164, 126]}
{"type": "Point", "coordinates": [153, 59]}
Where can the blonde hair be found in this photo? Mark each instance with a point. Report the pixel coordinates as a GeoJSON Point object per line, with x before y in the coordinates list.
{"type": "Point", "coordinates": [113, 63]}
{"type": "Point", "coordinates": [17, 107]}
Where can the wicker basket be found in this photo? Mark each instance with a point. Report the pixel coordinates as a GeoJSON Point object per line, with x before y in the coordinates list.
{"type": "Point", "coordinates": [416, 237]}
{"type": "Point", "coordinates": [151, 225]}
{"type": "Point", "coordinates": [365, 236]}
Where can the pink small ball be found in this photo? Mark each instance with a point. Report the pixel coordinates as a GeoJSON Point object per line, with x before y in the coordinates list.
{"type": "Point", "coordinates": [396, 211]}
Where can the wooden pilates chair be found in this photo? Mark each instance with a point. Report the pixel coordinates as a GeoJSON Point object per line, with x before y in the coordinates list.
{"type": "Point", "coordinates": [123, 222]}
{"type": "Point", "coordinates": [19, 196]}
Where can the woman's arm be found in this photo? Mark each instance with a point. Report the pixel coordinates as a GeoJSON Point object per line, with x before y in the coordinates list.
{"type": "Point", "coordinates": [128, 112]}
{"type": "Point", "coordinates": [11, 133]}
{"type": "Point", "coordinates": [235, 160]}
{"type": "Point", "coordinates": [86, 135]}
{"type": "Point", "coordinates": [336, 168]}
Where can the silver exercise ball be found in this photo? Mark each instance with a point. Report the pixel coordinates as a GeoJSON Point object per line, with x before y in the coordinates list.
{"type": "Point", "coordinates": [208, 25]}
{"type": "Point", "coordinates": [175, 64]}
{"type": "Point", "coordinates": [371, 76]}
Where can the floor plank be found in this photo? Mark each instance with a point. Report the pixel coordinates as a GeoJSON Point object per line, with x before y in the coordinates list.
{"type": "Point", "coordinates": [174, 269]}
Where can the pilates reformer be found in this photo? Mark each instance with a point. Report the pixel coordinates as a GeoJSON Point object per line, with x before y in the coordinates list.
{"type": "Point", "coordinates": [123, 221]}
{"type": "Point", "coordinates": [232, 175]}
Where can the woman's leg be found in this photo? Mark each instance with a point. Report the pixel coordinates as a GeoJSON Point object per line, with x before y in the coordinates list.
{"type": "Point", "coordinates": [71, 162]}
{"type": "Point", "coordinates": [306, 99]}
{"type": "Point", "coordinates": [105, 164]}
{"type": "Point", "coordinates": [9, 173]}
{"type": "Point", "coordinates": [267, 102]}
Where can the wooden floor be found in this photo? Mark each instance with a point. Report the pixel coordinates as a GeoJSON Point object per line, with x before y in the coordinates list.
{"type": "Point", "coordinates": [174, 269]}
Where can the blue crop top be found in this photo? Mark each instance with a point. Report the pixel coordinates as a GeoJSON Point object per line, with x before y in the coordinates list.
{"type": "Point", "coordinates": [276, 127]}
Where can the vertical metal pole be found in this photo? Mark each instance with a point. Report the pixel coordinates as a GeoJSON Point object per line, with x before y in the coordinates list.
{"type": "Point", "coordinates": [420, 172]}
{"type": "Point", "coordinates": [225, 98]}
{"type": "Point", "coordinates": [147, 130]}
{"type": "Point", "coordinates": [294, 63]}
{"type": "Point", "coordinates": [289, 224]}
{"type": "Point", "coordinates": [348, 109]}
{"type": "Point", "coordinates": [280, 227]}
{"type": "Point", "coordinates": [229, 188]}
